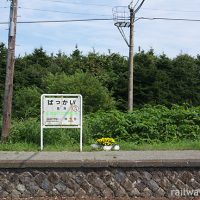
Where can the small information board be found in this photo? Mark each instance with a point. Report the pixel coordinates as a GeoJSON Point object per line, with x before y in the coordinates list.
{"type": "Point", "coordinates": [61, 111]}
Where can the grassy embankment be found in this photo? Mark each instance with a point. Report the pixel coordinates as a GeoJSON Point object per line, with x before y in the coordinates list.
{"type": "Point", "coordinates": [149, 128]}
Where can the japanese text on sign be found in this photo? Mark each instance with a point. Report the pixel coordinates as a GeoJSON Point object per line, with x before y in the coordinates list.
{"type": "Point", "coordinates": [61, 111]}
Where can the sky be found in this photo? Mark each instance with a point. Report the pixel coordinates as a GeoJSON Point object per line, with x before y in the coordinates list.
{"type": "Point", "coordinates": [169, 37]}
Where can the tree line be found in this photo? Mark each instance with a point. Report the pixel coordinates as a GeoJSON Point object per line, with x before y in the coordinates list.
{"type": "Point", "coordinates": [102, 79]}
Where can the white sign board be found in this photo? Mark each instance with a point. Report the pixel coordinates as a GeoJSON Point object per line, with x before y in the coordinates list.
{"type": "Point", "coordinates": [61, 111]}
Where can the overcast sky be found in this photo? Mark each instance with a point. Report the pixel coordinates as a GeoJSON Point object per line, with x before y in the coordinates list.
{"type": "Point", "coordinates": [170, 37]}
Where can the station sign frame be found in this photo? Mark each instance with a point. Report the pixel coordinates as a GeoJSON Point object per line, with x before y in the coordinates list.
{"type": "Point", "coordinates": [61, 111]}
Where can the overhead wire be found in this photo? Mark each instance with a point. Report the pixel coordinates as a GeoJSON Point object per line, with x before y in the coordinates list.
{"type": "Point", "coordinates": [138, 8]}
{"type": "Point", "coordinates": [166, 10]}
{"type": "Point", "coordinates": [99, 19]}
{"type": "Point", "coordinates": [153, 9]}
{"type": "Point", "coordinates": [90, 4]}
{"type": "Point", "coordinates": [136, 4]}
{"type": "Point", "coordinates": [56, 11]}
{"type": "Point", "coordinates": [58, 21]}
{"type": "Point", "coordinates": [169, 19]}
{"type": "Point", "coordinates": [103, 19]}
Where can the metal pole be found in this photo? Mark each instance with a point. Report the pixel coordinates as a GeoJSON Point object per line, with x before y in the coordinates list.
{"type": "Point", "coordinates": [41, 139]}
{"type": "Point", "coordinates": [7, 103]}
{"type": "Point", "coordinates": [41, 124]}
{"type": "Point", "coordinates": [81, 128]}
{"type": "Point", "coordinates": [131, 61]}
{"type": "Point", "coordinates": [81, 139]}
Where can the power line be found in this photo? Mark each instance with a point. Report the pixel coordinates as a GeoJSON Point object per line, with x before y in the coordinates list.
{"type": "Point", "coordinates": [169, 19]}
{"type": "Point", "coordinates": [102, 19]}
{"type": "Point", "coordinates": [138, 8]}
{"type": "Point", "coordinates": [87, 4]}
{"type": "Point", "coordinates": [58, 21]}
{"type": "Point", "coordinates": [57, 11]}
{"type": "Point", "coordinates": [153, 9]}
{"type": "Point", "coordinates": [166, 10]}
{"type": "Point", "coordinates": [136, 4]}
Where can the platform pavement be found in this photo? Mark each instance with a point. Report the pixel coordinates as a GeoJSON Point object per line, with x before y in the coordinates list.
{"type": "Point", "coordinates": [100, 159]}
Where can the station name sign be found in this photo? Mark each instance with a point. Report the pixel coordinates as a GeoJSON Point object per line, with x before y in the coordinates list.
{"type": "Point", "coordinates": [61, 111]}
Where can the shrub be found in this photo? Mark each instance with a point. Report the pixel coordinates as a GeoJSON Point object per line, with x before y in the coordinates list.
{"type": "Point", "coordinates": [95, 96]}
{"type": "Point", "coordinates": [27, 102]}
{"type": "Point", "coordinates": [28, 131]}
{"type": "Point", "coordinates": [147, 125]}
{"type": "Point", "coordinates": [107, 124]}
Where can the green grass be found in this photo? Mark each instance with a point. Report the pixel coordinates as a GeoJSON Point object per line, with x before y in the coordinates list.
{"type": "Point", "coordinates": [124, 146]}
{"type": "Point", "coordinates": [182, 145]}
{"type": "Point", "coordinates": [19, 147]}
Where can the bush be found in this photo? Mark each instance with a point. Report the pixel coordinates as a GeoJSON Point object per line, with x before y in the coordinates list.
{"type": "Point", "coordinates": [147, 125]}
{"type": "Point", "coordinates": [107, 124]}
{"type": "Point", "coordinates": [27, 102]}
{"type": "Point", "coordinates": [95, 96]}
{"type": "Point", "coordinates": [28, 131]}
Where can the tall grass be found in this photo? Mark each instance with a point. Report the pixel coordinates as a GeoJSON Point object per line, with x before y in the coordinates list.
{"type": "Point", "coordinates": [149, 125]}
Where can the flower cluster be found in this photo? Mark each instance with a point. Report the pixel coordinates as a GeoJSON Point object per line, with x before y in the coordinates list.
{"type": "Point", "coordinates": [106, 141]}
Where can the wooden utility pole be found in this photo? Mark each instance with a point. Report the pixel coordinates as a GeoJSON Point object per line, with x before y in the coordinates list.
{"type": "Point", "coordinates": [8, 94]}
{"type": "Point", "coordinates": [124, 18]}
{"type": "Point", "coordinates": [131, 60]}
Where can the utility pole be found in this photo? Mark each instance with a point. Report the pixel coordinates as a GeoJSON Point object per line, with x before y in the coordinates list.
{"type": "Point", "coordinates": [131, 60]}
{"type": "Point", "coordinates": [125, 18]}
{"type": "Point", "coordinates": [8, 94]}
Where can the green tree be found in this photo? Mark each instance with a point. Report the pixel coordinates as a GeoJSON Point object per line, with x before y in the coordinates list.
{"type": "Point", "coordinates": [30, 76]}
{"type": "Point", "coordinates": [157, 79]}
{"type": "Point", "coordinates": [145, 78]}
{"type": "Point", "coordinates": [40, 57]}
{"type": "Point", "coordinates": [112, 71]}
{"type": "Point", "coordinates": [185, 81]}
{"type": "Point", "coordinates": [95, 96]}
{"type": "Point", "coordinates": [30, 69]}
{"type": "Point", "coordinates": [27, 102]}
{"type": "Point", "coordinates": [163, 94]}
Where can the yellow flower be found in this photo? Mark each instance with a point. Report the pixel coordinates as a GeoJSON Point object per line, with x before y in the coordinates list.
{"type": "Point", "coordinates": [106, 141]}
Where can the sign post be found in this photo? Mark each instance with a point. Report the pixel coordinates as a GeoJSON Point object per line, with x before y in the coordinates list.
{"type": "Point", "coordinates": [61, 111]}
